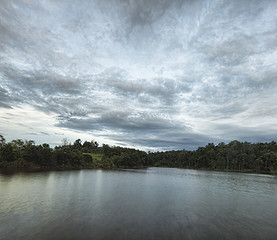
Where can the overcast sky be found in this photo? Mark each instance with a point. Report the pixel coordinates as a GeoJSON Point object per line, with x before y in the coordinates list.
{"type": "Point", "coordinates": [148, 74]}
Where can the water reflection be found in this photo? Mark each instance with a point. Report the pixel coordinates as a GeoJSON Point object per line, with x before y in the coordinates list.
{"type": "Point", "coordinates": [154, 203]}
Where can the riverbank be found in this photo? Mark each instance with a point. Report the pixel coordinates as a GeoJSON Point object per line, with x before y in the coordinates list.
{"type": "Point", "coordinates": [225, 170]}
{"type": "Point", "coordinates": [23, 166]}
{"type": "Point", "coordinates": [235, 171]}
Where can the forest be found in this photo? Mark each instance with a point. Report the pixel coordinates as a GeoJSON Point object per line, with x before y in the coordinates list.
{"type": "Point", "coordinates": [235, 156]}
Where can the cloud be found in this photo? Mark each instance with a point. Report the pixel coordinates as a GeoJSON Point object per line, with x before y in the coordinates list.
{"type": "Point", "coordinates": [4, 98]}
{"type": "Point", "coordinates": [154, 74]}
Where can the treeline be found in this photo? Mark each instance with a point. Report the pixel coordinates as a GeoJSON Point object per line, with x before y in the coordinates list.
{"type": "Point", "coordinates": [235, 156]}
{"type": "Point", "coordinates": [21, 154]}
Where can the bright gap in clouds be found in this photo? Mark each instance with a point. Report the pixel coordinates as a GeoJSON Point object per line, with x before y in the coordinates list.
{"type": "Point", "coordinates": [149, 74]}
{"type": "Point", "coordinates": [38, 126]}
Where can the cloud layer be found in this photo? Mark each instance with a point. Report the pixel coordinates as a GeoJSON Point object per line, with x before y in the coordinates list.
{"type": "Point", "coordinates": [152, 74]}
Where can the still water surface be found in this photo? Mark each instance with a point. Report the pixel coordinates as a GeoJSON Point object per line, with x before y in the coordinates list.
{"type": "Point", "coordinates": [153, 203]}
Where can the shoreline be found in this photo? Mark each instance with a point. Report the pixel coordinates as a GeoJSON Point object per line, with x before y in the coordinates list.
{"type": "Point", "coordinates": [70, 168]}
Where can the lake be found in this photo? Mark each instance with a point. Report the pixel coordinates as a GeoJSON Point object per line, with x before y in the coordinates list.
{"type": "Point", "coordinates": [153, 203]}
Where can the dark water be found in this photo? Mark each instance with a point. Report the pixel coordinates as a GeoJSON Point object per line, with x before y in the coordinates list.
{"type": "Point", "coordinates": [155, 203]}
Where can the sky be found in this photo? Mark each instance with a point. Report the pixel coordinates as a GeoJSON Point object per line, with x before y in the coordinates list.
{"type": "Point", "coordinates": [148, 74]}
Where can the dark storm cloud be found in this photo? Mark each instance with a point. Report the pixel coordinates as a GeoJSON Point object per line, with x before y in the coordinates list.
{"type": "Point", "coordinates": [245, 133]}
{"type": "Point", "coordinates": [138, 122]}
{"type": "Point", "coordinates": [152, 73]}
{"type": "Point", "coordinates": [146, 12]}
{"type": "Point", "coordinates": [165, 140]}
{"type": "Point", "coordinates": [46, 83]}
{"type": "Point", "coordinates": [122, 122]}
{"type": "Point", "coordinates": [150, 131]}
{"type": "Point", "coordinates": [163, 90]}
{"type": "Point", "coordinates": [45, 91]}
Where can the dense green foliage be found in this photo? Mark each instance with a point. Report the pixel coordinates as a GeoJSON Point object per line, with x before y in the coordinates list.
{"type": "Point", "coordinates": [235, 156]}
{"type": "Point", "coordinates": [25, 154]}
